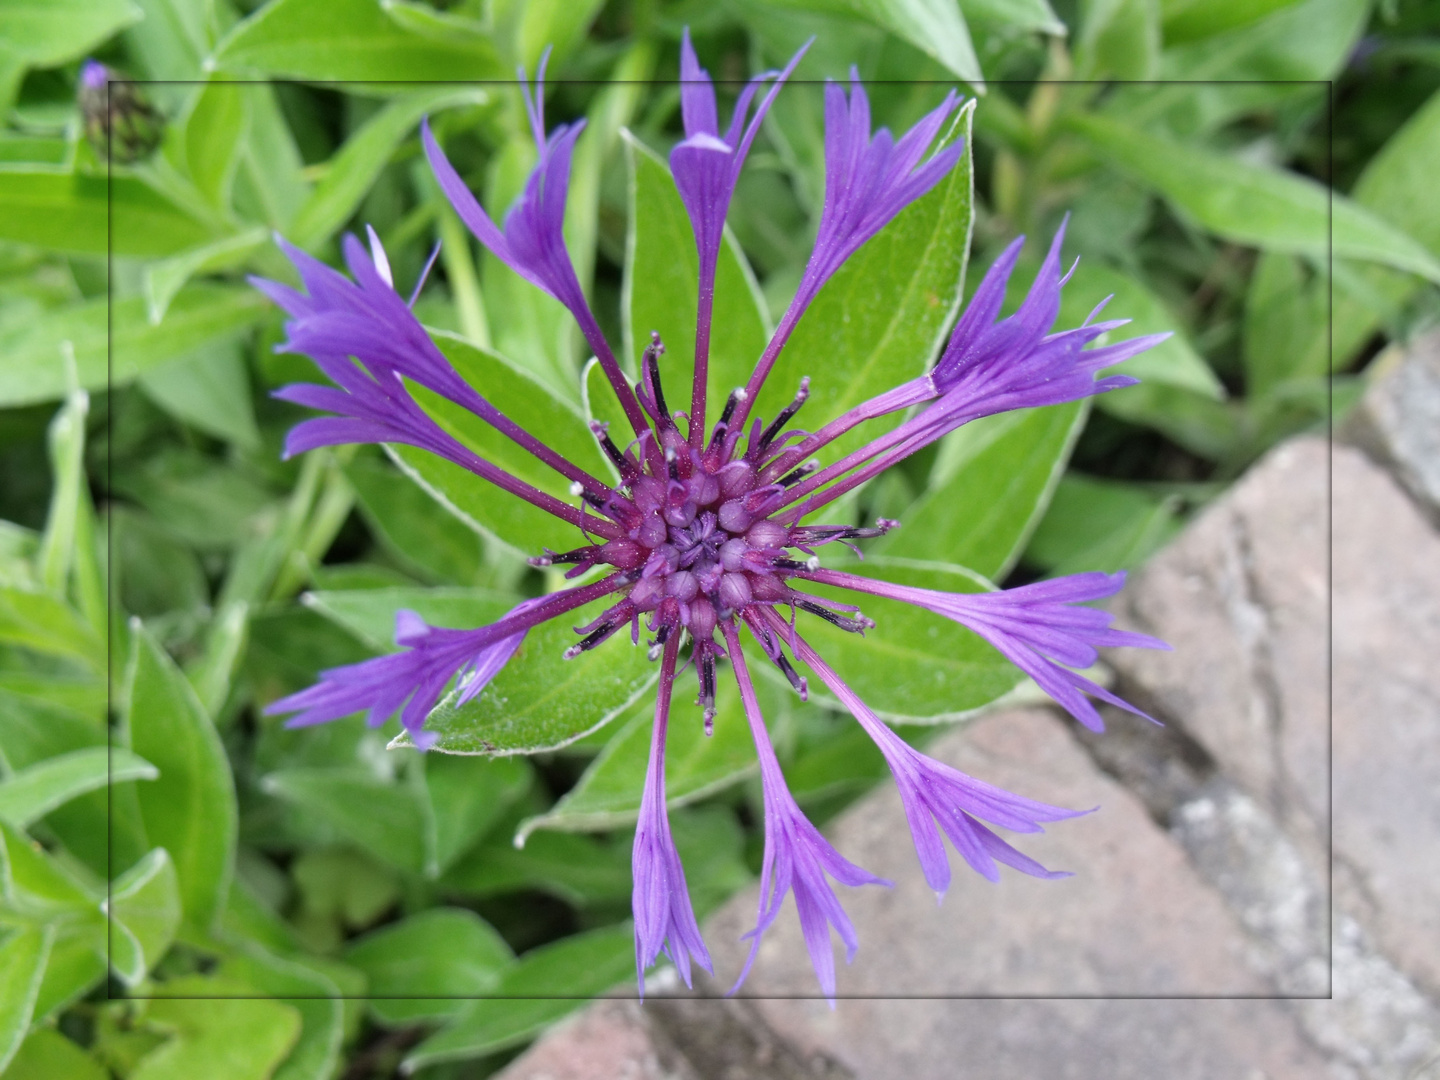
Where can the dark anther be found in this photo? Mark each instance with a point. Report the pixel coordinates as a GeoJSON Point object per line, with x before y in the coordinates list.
{"type": "Point", "coordinates": [796, 679]}
{"type": "Point", "coordinates": [586, 554]}
{"type": "Point", "coordinates": [857, 625]}
{"type": "Point", "coordinates": [707, 690]}
{"type": "Point", "coordinates": [650, 363]}
{"type": "Point", "coordinates": [811, 563]}
{"type": "Point", "coordinates": [823, 534]}
{"type": "Point", "coordinates": [601, 432]}
{"type": "Point", "coordinates": [595, 637]}
{"type": "Point", "coordinates": [800, 473]}
{"type": "Point", "coordinates": [672, 464]}
{"type": "Point", "coordinates": [784, 418]}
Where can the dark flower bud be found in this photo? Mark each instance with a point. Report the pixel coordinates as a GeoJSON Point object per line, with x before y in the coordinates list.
{"type": "Point", "coordinates": [120, 122]}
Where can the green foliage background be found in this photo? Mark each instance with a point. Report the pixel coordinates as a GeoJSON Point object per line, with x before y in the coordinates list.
{"type": "Point", "coordinates": [187, 889]}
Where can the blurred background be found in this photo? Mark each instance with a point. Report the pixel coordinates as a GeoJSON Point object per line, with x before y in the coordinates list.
{"type": "Point", "coordinates": [1257, 177]}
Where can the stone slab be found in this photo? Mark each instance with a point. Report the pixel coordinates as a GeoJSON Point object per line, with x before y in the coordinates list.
{"type": "Point", "coordinates": [1397, 422]}
{"type": "Point", "coordinates": [1135, 918]}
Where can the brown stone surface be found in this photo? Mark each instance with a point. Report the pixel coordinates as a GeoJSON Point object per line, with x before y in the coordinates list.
{"type": "Point", "coordinates": [1135, 919]}
{"type": "Point", "coordinates": [1242, 596]}
{"type": "Point", "coordinates": [1387, 712]}
{"type": "Point", "coordinates": [610, 1040]}
{"type": "Point", "coordinates": [1398, 421]}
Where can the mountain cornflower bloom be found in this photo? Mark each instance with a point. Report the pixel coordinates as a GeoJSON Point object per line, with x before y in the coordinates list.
{"type": "Point", "coordinates": [704, 534]}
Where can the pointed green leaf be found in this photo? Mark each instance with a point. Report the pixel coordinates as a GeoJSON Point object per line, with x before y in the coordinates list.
{"type": "Point", "coordinates": [22, 965]}
{"type": "Point", "coordinates": [67, 462]}
{"type": "Point", "coordinates": [210, 390]}
{"type": "Point", "coordinates": [312, 993]}
{"type": "Point", "coordinates": [33, 792]}
{"type": "Point", "coordinates": [39, 621]}
{"type": "Point", "coordinates": [79, 214]}
{"type": "Point", "coordinates": [350, 39]}
{"type": "Point", "coordinates": [215, 130]}
{"type": "Point", "coordinates": [213, 1035]}
{"type": "Point", "coordinates": [577, 869]}
{"type": "Point", "coordinates": [467, 797]}
{"type": "Point", "coordinates": [165, 278]}
{"type": "Point", "coordinates": [48, 32]}
{"type": "Point", "coordinates": [935, 27]}
{"type": "Point", "coordinates": [34, 369]}
{"type": "Point", "coordinates": [48, 1055]}
{"type": "Point", "coordinates": [1100, 525]}
{"type": "Point", "coordinates": [33, 883]}
{"type": "Point", "coordinates": [190, 810]}
{"type": "Point", "coordinates": [1252, 204]}
{"type": "Point", "coordinates": [421, 536]}
{"type": "Point", "coordinates": [545, 985]}
{"type": "Point", "coordinates": [436, 954]}
{"type": "Point", "coordinates": [144, 910]}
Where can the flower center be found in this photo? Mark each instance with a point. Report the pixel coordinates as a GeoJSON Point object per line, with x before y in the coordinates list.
{"type": "Point", "coordinates": [700, 543]}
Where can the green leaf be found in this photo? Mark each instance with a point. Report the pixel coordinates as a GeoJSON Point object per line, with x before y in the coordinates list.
{"type": "Point", "coordinates": [269, 186]}
{"type": "Point", "coordinates": [173, 38]}
{"type": "Point", "coordinates": [541, 701]}
{"type": "Point", "coordinates": [520, 397]}
{"type": "Point", "coordinates": [350, 39]}
{"type": "Point", "coordinates": [418, 534]}
{"type": "Point", "coordinates": [429, 957]}
{"type": "Point", "coordinates": [41, 622]}
{"type": "Point", "coordinates": [1285, 308]}
{"type": "Point", "coordinates": [935, 27]}
{"type": "Point", "coordinates": [561, 24]}
{"type": "Point", "coordinates": [33, 792]}
{"type": "Point", "coordinates": [884, 315]}
{"type": "Point", "coordinates": [1252, 204]}
{"type": "Point", "coordinates": [77, 965]}
{"type": "Point", "coordinates": [200, 313]}
{"type": "Point", "coordinates": [22, 965]}
{"type": "Point", "coordinates": [386, 819]}
{"type": "Point", "coordinates": [1014, 16]}
{"type": "Point", "coordinates": [914, 666]}
{"type": "Point", "coordinates": [190, 810]}
{"type": "Point", "coordinates": [1187, 20]}
{"type": "Point", "coordinates": [1174, 362]}
{"type": "Point", "coordinates": [211, 1035]}
{"type": "Point", "coordinates": [577, 869]}
{"type": "Point", "coordinates": [607, 795]}
{"type": "Point", "coordinates": [1100, 525]}
{"type": "Point", "coordinates": [351, 173]}
{"type": "Point", "coordinates": [67, 462]}
{"type": "Point", "coordinates": [1119, 38]}
{"type": "Point", "coordinates": [467, 798]}
{"type": "Point", "coordinates": [578, 967]}
{"type": "Point", "coordinates": [210, 390]}
{"type": "Point", "coordinates": [662, 275]}
{"type": "Point", "coordinates": [213, 673]}
{"type": "Point", "coordinates": [312, 993]}
{"type": "Point", "coordinates": [48, 1055]}
{"type": "Point", "coordinates": [989, 487]}
{"type": "Point", "coordinates": [165, 278]}
{"type": "Point", "coordinates": [144, 909]}
{"type": "Point", "coordinates": [34, 883]}
{"type": "Point", "coordinates": [61, 210]}
{"type": "Point", "coordinates": [215, 131]}
{"type": "Point", "coordinates": [44, 33]}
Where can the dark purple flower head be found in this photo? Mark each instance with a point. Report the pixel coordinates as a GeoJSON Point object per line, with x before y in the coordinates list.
{"type": "Point", "coordinates": [664, 919]}
{"type": "Point", "coordinates": [707, 526]}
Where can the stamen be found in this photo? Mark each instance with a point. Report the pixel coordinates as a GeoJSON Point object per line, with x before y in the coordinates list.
{"type": "Point", "coordinates": [780, 421]}
{"type": "Point", "coordinates": [629, 470]}
{"type": "Point", "coordinates": [586, 554]}
{"type": "Point", "coordinates": [650, 365]}
{"type": "Point", "coordinates": [595, 637]}
{"type": "Point", "coordinates": [800, 473]}
{"type": "Point", "coordinates": [858, 625]}
{"type": "Point", "coordinates": [798, 681]}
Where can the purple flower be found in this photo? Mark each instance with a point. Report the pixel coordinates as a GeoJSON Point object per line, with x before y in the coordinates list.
{"type": "Point", "coordinates": [1036, 627]}
{"type": "Point", "coordinates": [706, 167]}
{"type": "Point", "coordinates": [703, 530]}
{"type": "Point", "coordinates": [664, 919]}
{"type": "Point", "coordinates": [797, 858]}
{"type": "Point", "coordinates": [533, 241]}
{"type": "Point", "coordinates": [867, 182]}
{"type": "Point", "coordinates": [932, 791]}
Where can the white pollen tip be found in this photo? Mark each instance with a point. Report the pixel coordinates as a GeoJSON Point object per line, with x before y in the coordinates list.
{"type": "Point", "coordinates": [812, 563]}
{"type": "Point", "coordinates": [572, 652]}
{"type": "Point", "coordinates": [577, 488]}
{"type": "Point", "coordinates": [742, 394]}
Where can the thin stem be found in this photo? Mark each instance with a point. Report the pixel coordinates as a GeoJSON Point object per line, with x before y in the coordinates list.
{"type": "Point", "coordinates": [624, 392]}
{"type": "Point", "coordinates": [914, 392]}
{"type": "Point", "coordinates": [767, 360]}
{"type": "Point", "coordinates": [698, 389]}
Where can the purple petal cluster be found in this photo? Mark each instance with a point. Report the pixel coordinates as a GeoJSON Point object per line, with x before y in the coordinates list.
{"type": "Point", "coordinates": [706, 530]}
